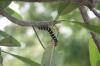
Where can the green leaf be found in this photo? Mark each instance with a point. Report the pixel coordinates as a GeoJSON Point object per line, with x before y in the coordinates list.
{"type": "Point", "coordinates": [12, 13]}
{"type": "Point", "coordinates": [65, 8]}
{"type": "Point", "coordinates": [98, 6]}
{"type": "Point", "coordinates": [1, 58]}
{"type": "Point", "coordinates": [61, 7]}
{"type": "Point", "coordinates": [3, 34]}
{"type": "Point", "coordinates": [93, 52]}
{"type": "Point", "coordinates": [9, 10]}
{"type": "Point", "coordinates": [98, 63]}
{"type": "Point", "coordinates": [94, 28]}
{"type": "Point", "coordinates": [4, 3]}
{"type": "Point", "coordinates": [24, 59]}
{"type": "Point", "coordinates": [8, 40]}
{"type": "Point", "coordinates": [50, 57]}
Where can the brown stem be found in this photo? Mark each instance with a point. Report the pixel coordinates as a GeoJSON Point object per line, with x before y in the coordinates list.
{"type": "Point", "coordinates": [87, 20]}
{"type": "Point", "coordinates": [42, 0]}
{"type": "Point", "coordinates": [97, 1]}
{"type": "Point", "coordinates": [26, 23]}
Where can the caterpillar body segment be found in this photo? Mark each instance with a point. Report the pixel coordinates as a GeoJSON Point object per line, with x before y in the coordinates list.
{"type": "Point", "coordinates": [50, 32]}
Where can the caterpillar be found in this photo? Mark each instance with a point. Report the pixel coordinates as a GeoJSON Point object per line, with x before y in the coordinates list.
{"type": "Point", "coordinates": [50, 32]}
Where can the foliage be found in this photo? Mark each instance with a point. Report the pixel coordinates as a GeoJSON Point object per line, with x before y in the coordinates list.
{"type": "Point", "coordinates": [8, 40]}
{"type": "Point", "coordinates": [24, 59]}
{"type": "Point", "coordinates": [94, 53]}
{"type": "Point", "coordinates": [72, 49]}
{"type": "Point", "coordinates": [4, 4]}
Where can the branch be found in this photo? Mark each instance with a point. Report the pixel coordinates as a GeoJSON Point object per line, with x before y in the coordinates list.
{"type": "Point", "coordinates": [45, 0]}
{"type": "Point", "coordinates": [26, 23]}
{"type": "Point", "coordinates": [87, 20]}
{"type": "Point", "coordinates": [96, 12]}
{"type": "Point", "coordinates": [97, 1]}
{"type": "Point", "coordinates": [37, 0]}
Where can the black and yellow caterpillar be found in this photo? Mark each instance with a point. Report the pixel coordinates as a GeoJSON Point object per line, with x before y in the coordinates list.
{"type": "Point", "coordinates": [50, 32]}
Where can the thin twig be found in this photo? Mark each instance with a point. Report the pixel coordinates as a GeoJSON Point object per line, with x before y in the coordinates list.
{"type": "Point", "coordinates": [38, 37]}
{"type": "Point", "coordinates": [87, 20]}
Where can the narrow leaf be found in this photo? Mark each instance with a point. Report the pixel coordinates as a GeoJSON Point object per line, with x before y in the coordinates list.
{"type": "Point", "coordinates": [50, 57]}
{"type": "Point", "coordinates": [98, 6]}
{"type": "Point", "coordinates": [93, 52]}
{"type": "Point", "coordinates": [62, 6]}
{"type": "Point", "coordinates": [24, 59]}
{"type": "Point", "coordinates": [3, 34]}
{"type": "Point", "coordinates": [13, 13]}
{"type": "Point", "coordinates": [4, 3]}
{"type": "Point", "coordinates": [9, 10]}
{"type": "Point", "coordinates": [65, 8]}
{"type": "Point", "coordinates": [7, 40]}
{"type": "Point", "coordinates": [94, 28]}
{"type": "Point", "coordinates": [1, 58]}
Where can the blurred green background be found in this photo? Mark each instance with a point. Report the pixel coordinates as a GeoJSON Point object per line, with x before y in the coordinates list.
{"type": "Point", "coordinates": [72, 39]}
